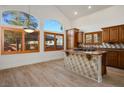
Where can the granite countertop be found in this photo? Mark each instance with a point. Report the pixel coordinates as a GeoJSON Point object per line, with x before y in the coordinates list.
{"type": "Point", "coordinates": [98, 52]}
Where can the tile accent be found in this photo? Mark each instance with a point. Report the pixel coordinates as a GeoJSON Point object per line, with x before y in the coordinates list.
{"type": "Point", "coordinates": [80, 64]}
{"type": "Point", "coordinates": [106, 45]}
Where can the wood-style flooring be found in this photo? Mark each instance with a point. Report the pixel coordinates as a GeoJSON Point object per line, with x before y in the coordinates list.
{"type": "Point", "coordinates": [53, 74]}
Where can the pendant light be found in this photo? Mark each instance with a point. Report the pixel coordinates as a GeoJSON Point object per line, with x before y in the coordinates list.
{"type": "Point", "coordinates": [28, 29]}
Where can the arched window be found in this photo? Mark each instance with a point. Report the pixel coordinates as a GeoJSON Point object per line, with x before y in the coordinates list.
{"type": "Point", "coordinates": [12, 17]}
{"type": "Point", "coordinates": [53, 26]}
{"type": "Point", "coordinates": [15, 39]}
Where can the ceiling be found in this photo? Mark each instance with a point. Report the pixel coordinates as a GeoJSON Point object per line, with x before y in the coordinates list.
{"type": "Point", "coordinates": [68, 10]}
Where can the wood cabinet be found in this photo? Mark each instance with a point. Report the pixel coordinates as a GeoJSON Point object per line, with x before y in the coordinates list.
{"type": "Point", "coordinates": [72, 38]}
{"type": "Point", "coordinates": [121, 33]}
{"type": "Point", "coordinates": [80, 37]}
{"type": "Point", "coordinates": [121, 60]}
{"type": "Point", "coordinates": [93, 37]}
{"type": "Point", "coordinates": [97, 37]}
{"type": "Point", "coordinates": [105, 35]}
{"type": "Point", "coordinates": [88, 38]}
{"type": "Point", "coordinates": [114, 34]}
{"type": "Point", "coordinates": [115, 59]}
{"type": "Point", "coordinates": [112, 59]}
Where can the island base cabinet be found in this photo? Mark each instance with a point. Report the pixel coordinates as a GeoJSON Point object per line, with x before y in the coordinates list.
{"type": "Point", "coordinates": [88, 65]}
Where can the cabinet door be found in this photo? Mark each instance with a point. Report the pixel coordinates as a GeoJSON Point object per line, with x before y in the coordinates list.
{"type": "Point", "coordinates": [80, 37]}
{"type": "Point", "coordinates": [97, 37]}
{"type": "Point", "coordinates": [70, 39]}
{"type": "Point", "coordinates": [121, 60]}
{"type": "Point", "coordinates": [121, 33]}
{"type": "Point", "coordinates": [89, 38]}
{"type": "Point", "coordinates": [105, 35]}
{"type": "Point", "coordinates": [114, 34]}
{"type": "Point", "coordinates": [75, 39]}
{"type": "Point", "coordinates": [112, 59]}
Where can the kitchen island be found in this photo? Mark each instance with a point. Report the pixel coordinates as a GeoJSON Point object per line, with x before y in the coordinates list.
{"type": "Point", "coordinates": [90, 64]}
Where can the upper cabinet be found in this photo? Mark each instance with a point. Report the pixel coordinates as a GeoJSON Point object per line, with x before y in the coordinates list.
{"type": "Point", "coordinates": [97, 37]}
{"type": "Point", "coordinates": [121, 33]}
{"type": "Point", "coordinates": [72, 38]}
{"type": "Point", "coordinates": [93, 38]}
{"type": "Point", "coordinates": [80, 37]}
{"type": "Point", "coordinates": [88, 38]}
{"type": "Point", "coordinates": [113, 34]}
{"type": "Point", "coordinates": [105, 35]}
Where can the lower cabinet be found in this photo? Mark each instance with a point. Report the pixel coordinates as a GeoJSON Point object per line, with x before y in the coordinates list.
{"type": "Point", "coordinates": [121, 60]}
{"type": "Point", "coordinates": [112, 59]}
{"type": "Point", "coordinates": [115, 59]}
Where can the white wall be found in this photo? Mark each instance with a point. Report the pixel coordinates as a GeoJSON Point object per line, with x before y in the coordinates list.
{"type": "Point", "coordinates": [42, 13]}
{"type": "Point", "coordinates": [107, 17]}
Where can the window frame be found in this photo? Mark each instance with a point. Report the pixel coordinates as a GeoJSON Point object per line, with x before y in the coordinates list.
{"type": "Point", "coordinates": [55, 42]}
{"type": "Point", "coordinates": [62, 41]}
{"type": "Point", "coordinates": [2, 28]}
{"type": "Point", "coordinates": [30, 51]}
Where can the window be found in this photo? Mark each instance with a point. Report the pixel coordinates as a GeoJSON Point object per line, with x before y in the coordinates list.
{"type": "Point", "coordinates": [19, 18]}
{"type": "Point", "coordinates": [32, 41]}
{"type": "Point", "coordinates": [12, 41]}
{"type": "Point", "coordinates": [53, 41]}
{"type": "Point", "coordinates": [49, 41]}
{"type": "Point", "coordinates": [15, 40]}
{"type": "Point", "coordinates": [53, 26]}
{"type": "Point", "coordinates": [59, 41]}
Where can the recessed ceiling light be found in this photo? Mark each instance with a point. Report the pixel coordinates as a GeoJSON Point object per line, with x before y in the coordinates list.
{"type": "Point", "coordinates": [89, 7]}
{"type": "Point", "coordinates": [75, 13]}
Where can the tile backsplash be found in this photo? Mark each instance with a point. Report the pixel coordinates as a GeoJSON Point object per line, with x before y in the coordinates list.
{"type": "Point", "coordinates": [105, 45]}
